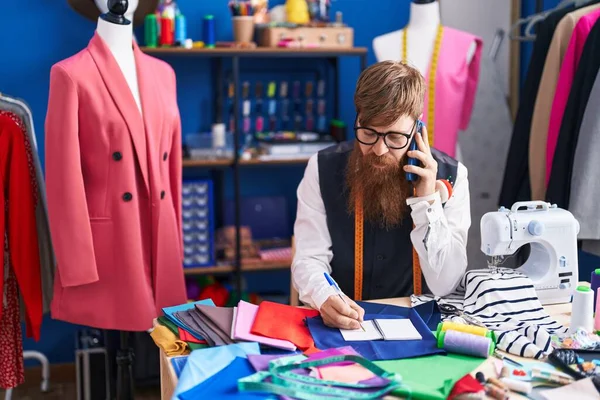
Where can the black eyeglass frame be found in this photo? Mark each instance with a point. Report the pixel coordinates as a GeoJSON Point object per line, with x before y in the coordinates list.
{"type": "Point", "coordinates": [383, 135]}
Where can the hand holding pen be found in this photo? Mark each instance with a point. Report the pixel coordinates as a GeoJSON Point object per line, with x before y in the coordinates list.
{"type": "Point", "coordinates": [338, 311]}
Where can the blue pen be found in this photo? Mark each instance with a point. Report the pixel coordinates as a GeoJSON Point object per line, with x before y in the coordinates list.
{"type": "Point", "coordinates": [339, 292]}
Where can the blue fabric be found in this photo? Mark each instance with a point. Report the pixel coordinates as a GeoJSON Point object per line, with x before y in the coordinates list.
{"type": "Point", "coordinates": [223, 384]}
{"type": "Point", "coordinates": [178, 364]}
{"type": "Point", "coordinates": [170, 311]}
{"type": "Point", "coordinates": [429, 312]}
{"type": "Point", "coordinates": [204, 363]}
{"type": "Point", "coordinates": [326, 338]}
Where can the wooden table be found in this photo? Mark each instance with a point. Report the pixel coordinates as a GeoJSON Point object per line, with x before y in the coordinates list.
{"type": "Point", "coordinates": [561, 313]}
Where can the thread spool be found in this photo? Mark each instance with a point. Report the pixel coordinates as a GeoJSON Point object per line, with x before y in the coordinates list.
{"type": "Point", "coordinates": [595, 283]}
{"type": "Point", "coordinates": [582, 314]}
{"type": "Point", "coordinates": [475, 330]}
{"type": "Point", "coordinates": [218, 135]}
{"type": "Point", "coordinates": [151, 30]}
{"type": "Point", "coordinates": [209, 31]}
{"type": "Point", "coordinates": [597, 314]}
{"type": "Point", "coordinates": [517, 386]}
{"type": "Point", "coordinates": [166, 31]}
{"type": "Point", "coordinates": [180, 29]}
{"type": "Point", "coordinates": [465, 343]}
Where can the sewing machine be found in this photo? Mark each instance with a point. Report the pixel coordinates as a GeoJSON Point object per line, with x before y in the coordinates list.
{"type": "Point", "coordinates": [552, 235]}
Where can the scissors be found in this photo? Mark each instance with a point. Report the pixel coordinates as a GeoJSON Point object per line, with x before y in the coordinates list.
{"type": "Point", "coordinates": [449, 309]}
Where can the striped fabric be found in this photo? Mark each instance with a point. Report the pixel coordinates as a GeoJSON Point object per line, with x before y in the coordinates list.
{"type": "Point", "coordinates": [506, 302]}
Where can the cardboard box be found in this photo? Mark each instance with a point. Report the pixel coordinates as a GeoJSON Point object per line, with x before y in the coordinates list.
{"type": "Point", "coordinates": [326, 37]}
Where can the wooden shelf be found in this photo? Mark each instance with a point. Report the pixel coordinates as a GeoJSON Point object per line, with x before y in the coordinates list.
{"type": "Point", "coordinates": [187, 163]}
{"type": "Point", "coordinates": [257, 52]}
{"type": "Point", "coordinates": [247, 266]}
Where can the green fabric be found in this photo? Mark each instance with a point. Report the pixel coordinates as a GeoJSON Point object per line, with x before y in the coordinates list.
{"type": "Point", "coordinates": [172, 327]}
{"type": "Point", "coordinates": [431, 377]}
{"type": "Point", "coordinates": [196, 346]}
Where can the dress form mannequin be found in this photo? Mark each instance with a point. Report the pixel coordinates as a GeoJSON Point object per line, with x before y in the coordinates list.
{"type": "Point", "coordinates": [422, 29]}
{"type": "Point", "coordinates": [117, 32]}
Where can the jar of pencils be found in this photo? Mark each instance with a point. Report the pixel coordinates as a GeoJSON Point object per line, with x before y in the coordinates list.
{"type": "Point", "coordinates": [242, 20]}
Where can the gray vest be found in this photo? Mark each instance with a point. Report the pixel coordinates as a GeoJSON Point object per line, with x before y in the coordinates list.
{"type": "Point", "coordinates": [388, 254]}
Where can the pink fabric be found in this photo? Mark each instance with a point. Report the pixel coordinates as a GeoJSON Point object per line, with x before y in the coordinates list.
{"type": "Point", "coordinates": [455, 88]}
{"type": "Point", "coordinates": [565, 80]}
{"type": "Point", "coordinates": [113, 182]}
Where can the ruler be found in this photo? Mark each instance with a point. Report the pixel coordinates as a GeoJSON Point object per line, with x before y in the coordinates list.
{"type": "Point", "coordinates": [285, 382]}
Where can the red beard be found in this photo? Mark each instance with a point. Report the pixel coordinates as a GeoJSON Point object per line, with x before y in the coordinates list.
{"type": "Point", "coordinates": [382, 183]}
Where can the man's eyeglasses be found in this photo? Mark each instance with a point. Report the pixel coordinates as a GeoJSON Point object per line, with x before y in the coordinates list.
{"type": "Point", "coordinates": [393, 140]}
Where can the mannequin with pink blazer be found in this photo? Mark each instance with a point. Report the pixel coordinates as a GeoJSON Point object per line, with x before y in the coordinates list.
{"type": "Point", "coordinates": [113, 178]}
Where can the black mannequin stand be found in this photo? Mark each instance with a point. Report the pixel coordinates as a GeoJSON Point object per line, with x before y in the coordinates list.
{"type": "Point", "coordinates": [125, 355]}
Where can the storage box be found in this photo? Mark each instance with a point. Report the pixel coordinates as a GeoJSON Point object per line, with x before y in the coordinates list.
{"type": "Point", "coordinates": [327, 37]}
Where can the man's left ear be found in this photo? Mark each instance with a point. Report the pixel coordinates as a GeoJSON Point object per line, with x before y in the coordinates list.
{"type": "Point", "coordinates": [444, 188]}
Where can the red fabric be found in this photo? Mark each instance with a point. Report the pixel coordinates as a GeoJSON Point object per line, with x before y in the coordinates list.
{"type": "Point", "coordinates": [12, 371]}
{"type": "Point", "coordinates": [466, 384]}
{"type": "Point", "coordinates": [187, 337]}
{"type": "Point", "coordinates": [19, 222]}
{"type": "Point", "coordinates": [279, 321]}
{"type": "Point", "coordinates": [216, 292]}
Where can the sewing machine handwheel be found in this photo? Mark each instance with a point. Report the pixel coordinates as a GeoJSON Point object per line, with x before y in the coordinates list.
{"type": "Point", "coordinates": [530, 205]}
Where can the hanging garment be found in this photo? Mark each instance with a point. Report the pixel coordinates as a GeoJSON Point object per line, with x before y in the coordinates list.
{"type": "Point", "coordinates": [19, 222]}
{"type": "Point", "coordinates": [489, 128]}
{"type": "Point", "coordinates": [202, 364]}
{"type": "Point", "coordinates": [283, 322]}
{"type": "Point", "coordinates": [505, 301]}
{"type": "Point", "coordinates": [563, 86]}
{"type": "Point", "coordinates": [455, 84]}
{"type": "Point", "coordinates": [326, 337]}
{"type": "Point", "coordinates": [543, 103]}
{"type": "Point", "coordinates": [114, 190]}
{"type": "Point", "coordinates": [585, 186]}
{"type": "Point", "coordinates": [47, 260]}
{"type": "Point", "coordinates": [516, 184]}
{"type": "Point", "coordinates": [12, 370]}
{"type": "Point", "coordinates": [559, 186]}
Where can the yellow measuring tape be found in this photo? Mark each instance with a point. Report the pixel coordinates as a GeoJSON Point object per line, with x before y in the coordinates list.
{"type": "Point", "coordinates": [358, 209]}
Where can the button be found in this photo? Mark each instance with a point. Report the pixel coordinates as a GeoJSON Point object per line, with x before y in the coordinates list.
{"type": "Point", "coordinates": [564, 285]}
{"type": "Point", "coordinates": [117, 156]}
{"type": "Point", "coordinates": [380, 257]}
{"type": "Point", "coordinates": [430, 210]}
{"type": "Point", "coordinates": [162, 194]}
{"type": "Point", "coordinates": [165, 156]}
{"type": "Point", "coordinates": [127, 196]}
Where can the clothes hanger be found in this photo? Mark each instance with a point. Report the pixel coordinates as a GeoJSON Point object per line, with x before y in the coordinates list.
{"type": "Point", "coordinates": [533, 19]}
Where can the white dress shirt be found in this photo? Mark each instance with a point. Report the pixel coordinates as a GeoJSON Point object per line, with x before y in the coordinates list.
{"type": "Point", "coordinates": [439, 237]}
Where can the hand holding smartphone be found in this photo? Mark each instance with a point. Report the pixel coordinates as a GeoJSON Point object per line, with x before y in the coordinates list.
{"type": "Point", "coordinates": [410, 176]}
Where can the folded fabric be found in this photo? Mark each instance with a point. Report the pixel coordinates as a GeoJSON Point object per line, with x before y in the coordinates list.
{"type": "Point", "coordinates": [429, 312]}
{"type": "Point", "coordinates": [345, 371]}
{"type": "Point", "coordinates": [167, 323]}
{"type": "Point", "coordinates": [223, 384]}
{"type": "Point", "coordinates": [431, 377]}
{"type": "Point", "coordinates": [220, 338]}
{"type": "Point", "coordinates": [506, 302]}
{"type": "Point", "coordinates": [178, 364]}
{"type": "Point", "coordinates": [465, 386]}
{"type": "Point", "coordinates": [168, 342]}
{"type": "Point", "coordinates": [326, 337]}
{"type": "Point", "coordinates": [221, 317]}
{"type": "Point", "coordinates": [260, 362]}
{"type": "Point", "coordinates": [169, 311]}
{"type": "Point", "coordinates": [245, 314]}
{"type": "Point", "coordinates": [280, 321]}
{"type": "Point", "coordinates": [188, 337]}
{"type": "Point", "coordinates": [202, 364]}
{"type": "Point", "coordinates": [192, 326]}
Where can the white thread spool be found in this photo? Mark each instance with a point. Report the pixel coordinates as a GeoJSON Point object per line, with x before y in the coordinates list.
{"type": "Point", "coordinates": [218, 135]}
{"type": "Point", "coordinates": [517, 386]}
{"type": "Point", "coordinates": [582, 314]}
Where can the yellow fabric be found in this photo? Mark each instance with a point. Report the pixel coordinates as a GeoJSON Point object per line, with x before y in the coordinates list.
{"type": "Point", "coordinates": [168, 342]}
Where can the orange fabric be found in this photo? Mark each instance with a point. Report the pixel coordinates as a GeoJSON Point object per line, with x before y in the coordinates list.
{"type": "Point", "coordinates": [280, 321]}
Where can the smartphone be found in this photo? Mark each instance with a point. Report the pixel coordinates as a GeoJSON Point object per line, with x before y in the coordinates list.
{"type": "Point", "coordinates": [411, 177]}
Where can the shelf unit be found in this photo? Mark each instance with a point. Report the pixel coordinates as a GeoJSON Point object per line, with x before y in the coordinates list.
{"type": "Point", "coordinates": [217, 55]}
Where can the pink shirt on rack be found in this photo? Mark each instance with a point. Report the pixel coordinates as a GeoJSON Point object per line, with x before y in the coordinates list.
{"type": "Point", "coordinates": [565, 80]}
{"type": "Point", "coordinates": [455, 88]}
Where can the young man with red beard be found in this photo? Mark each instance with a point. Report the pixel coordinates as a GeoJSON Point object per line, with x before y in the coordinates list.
{"type": "Point", "coordinates": [431, 215]}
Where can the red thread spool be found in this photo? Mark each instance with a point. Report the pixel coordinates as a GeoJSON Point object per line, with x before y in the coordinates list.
{"type": "Point", "coordinates": [166, 32]}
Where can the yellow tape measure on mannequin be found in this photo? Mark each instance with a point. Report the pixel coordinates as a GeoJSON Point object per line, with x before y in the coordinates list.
{"type": "Point", "coordinates": [432, 75]}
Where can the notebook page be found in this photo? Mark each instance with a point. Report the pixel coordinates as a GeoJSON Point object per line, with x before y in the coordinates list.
{"type": "Point", "coordinates": [370, 333]}
{"type": "Point", "coordinates": [398, 329]}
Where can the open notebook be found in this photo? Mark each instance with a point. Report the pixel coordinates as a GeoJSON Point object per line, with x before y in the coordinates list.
{"type": "Point", "coordinates": [383, 329]}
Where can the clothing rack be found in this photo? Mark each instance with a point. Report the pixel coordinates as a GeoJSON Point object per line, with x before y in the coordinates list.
{"type": "Point", "coordinates": [22, 110]}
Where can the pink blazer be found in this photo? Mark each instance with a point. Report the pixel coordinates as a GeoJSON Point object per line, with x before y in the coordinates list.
{"type": "Point", "coordinates": [113, 184]}
{"type": "Point", "coordinates": [565, 80]}
{"type": "Point", "coordinates": [455, 88]}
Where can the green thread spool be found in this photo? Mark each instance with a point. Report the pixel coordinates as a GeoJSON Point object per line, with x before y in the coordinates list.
{"type": "Point", "coordinates": [151, 30]}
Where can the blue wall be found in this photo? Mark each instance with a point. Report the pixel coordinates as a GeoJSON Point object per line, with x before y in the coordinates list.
{"type": "Point", "coordinates": [38, 33]}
